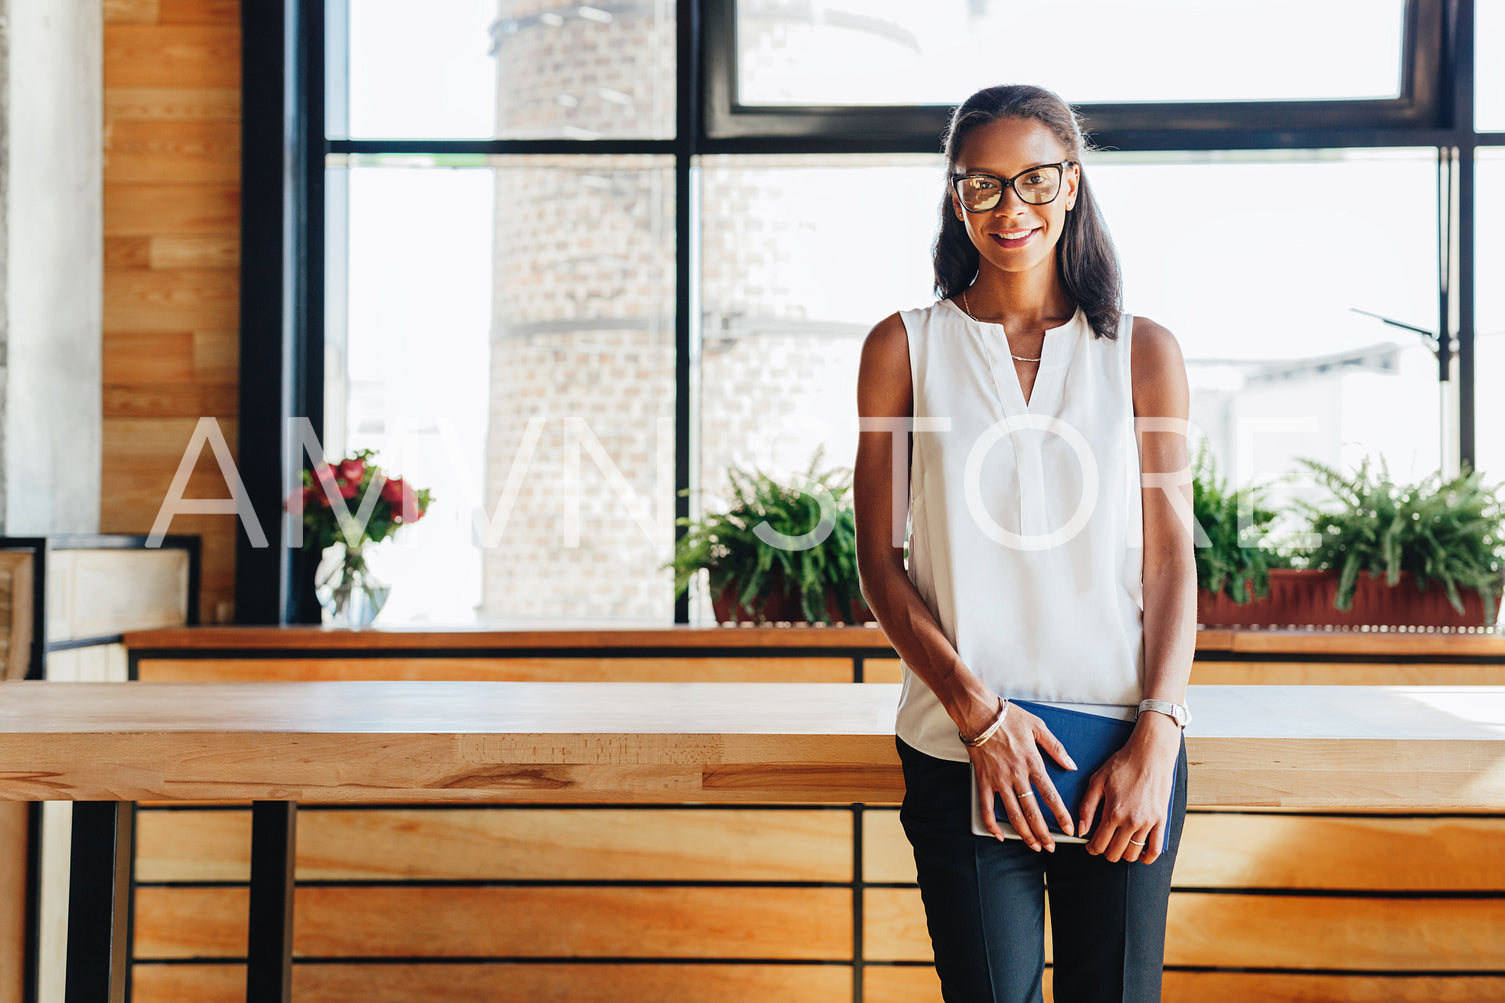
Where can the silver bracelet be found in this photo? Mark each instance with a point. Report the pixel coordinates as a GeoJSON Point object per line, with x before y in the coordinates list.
{"type": "Point", "coordinates": [990, 730]}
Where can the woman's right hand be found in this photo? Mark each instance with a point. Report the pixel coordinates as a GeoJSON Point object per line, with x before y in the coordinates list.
{"type": "Point", "coordinates": [1007, 763]}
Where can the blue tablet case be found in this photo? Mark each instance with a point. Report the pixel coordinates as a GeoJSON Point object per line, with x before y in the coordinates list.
{"type": "Point", "coordinates": [1089, 739]}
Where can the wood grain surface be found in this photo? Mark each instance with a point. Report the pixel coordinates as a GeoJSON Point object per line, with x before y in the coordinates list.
{"type": "Point", "coordinates": [537, 982]}
{"type": "Point", "coordinates": [1379, 644]}
{"type": "Point", "coordinates": [518, 844]}
{"type": "Point", "coordinates": [406, 921]}
{"type": "Point", "coordinates": [1340, 747]}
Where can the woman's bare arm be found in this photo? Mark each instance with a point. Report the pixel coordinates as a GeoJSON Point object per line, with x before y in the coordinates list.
{"type": "Point", "coordinates": [884, 391]}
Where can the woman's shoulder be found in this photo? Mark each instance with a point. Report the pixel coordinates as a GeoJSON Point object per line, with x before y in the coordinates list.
{"type": "Point", "coordinates": [1155, 361]}
{"type": "Point", "coordinates": [892, 331]}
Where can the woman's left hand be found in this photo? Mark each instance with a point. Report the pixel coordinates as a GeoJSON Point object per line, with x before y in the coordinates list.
{"type": "Point", "coordinates": [1134, 789]}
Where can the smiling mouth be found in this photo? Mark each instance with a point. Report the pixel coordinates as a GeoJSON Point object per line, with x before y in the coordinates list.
{"type": "Point", "coordinates": [1014, 238]}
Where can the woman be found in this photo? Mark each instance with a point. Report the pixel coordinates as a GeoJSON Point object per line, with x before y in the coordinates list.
{"type": "Point", "coordinates": [1047, 562]}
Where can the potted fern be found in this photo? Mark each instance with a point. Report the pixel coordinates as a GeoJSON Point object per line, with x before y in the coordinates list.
{"type": "Point", "coordinates": [771, 557]}
{"type": "Point", "coordinates": [1233, 569]}
{"type": "Point", "coordinates": [1426, 554]}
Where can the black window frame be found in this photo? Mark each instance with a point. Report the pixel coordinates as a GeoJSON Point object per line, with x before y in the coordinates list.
{"type": "Point", "coordinates": [285, 150]}
{"type": "Point", "coordinates": [1422, 102]}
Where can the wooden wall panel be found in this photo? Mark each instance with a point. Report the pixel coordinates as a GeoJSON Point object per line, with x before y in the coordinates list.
{"type": "Point", "coordinates": [671, 844]}
{"type": "Point", "coordinates": [535, 983]}
{"type": "Point", "coordinates": [176, 983]}
{"type": "Point", "coordinates": [1206, 672]}
{"type": "Point", "coordinates": [542, 982]}
{"type": "Point", "coordinates": [459, 921]}
{"type": "Point", "coordinates": [1199, 987]}
{"type": "Point", "coordinates": [905, 984]}
{"type": "Point", "coordinates": [1377, 673]}
{"type": "Point", "coordinates": [1265, 931]}
{"type": "Point", "coordinates": [1235, 851]}
{"type": "Point", "coordinates": [171, 277]}
{"type": "Point", "coordinates": [14, 845]}
{"type": "Point", "coordinates": [661, 670]}
{"type": "Point", "coordinates": [1278, 931]}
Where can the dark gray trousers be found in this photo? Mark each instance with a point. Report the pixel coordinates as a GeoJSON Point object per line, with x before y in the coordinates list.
{"type": "Point", "coordinates": [984, 901]}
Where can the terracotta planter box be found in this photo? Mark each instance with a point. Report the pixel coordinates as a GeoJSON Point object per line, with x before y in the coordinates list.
{"type": "Point", "coordinates": [781, 605]}
{"type": "Point", "coordinates": [1305, 599]}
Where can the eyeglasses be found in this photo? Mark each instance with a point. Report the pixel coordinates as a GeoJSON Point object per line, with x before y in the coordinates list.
{"type": "Point", "coordinates": [1037, 186]}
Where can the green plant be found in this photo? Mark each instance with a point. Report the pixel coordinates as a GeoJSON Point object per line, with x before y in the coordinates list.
{"type": "Point", "coordinates": [1445, 531]}
{"type": "Point", "coordinates": [729, 546]}
{"type": "Point", "coordinates": [1227, 561]}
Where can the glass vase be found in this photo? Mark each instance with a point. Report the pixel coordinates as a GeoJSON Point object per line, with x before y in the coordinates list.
{"type": "Point", "coordinates": [350, 594]}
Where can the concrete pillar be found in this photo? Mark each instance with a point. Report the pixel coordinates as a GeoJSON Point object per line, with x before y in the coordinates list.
{"type": "Point", "coordinates": [51, 264]}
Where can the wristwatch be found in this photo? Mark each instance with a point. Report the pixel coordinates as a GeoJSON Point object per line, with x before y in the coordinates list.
{"type": "Point", "coordinates": [1176, 711]}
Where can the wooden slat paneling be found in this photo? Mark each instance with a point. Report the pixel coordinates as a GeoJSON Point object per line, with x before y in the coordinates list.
{"type": "Point", "coordinates": [667, 670]}
{"type": "Point", "coordinates": [172, 110]}
{"type": "Point", "coordinates": [178, 983]}
{"type": "Point", "coordinates": [130, 11]}
{"type": "Point", "coordinates": [199, 11]}
{"type": "Point", "coordinates": [1376, 673]}
{"type": "Point", "coordinates": [446, 921]}
{"type": "Point", "coordinates": [501, 844]}
{"type": "Point", "coordinates": [220, 251]}
{"type": "Point", "coordinates": [541, 982]}
{"type": "Point", "coordinates": [186, 400]}
{"type": "Point", "coordinates": [134, 209]}
{"type": "Point", "coordinates": [171, 300]}
{"type": "Point", "coordinates": [124, 104]}
{"type": "Point", "coordinates": [1199, 987]}
{"type": "Point", "coordinates": [882, 670]}
{"type": "Point", "coordinates": [127, 252]}
{"type": "Point", "coordinates": [772, 640]}
{"type": "Point", "coordinates": [903, 984]}
{"type": "Point", "coordinates": [173, 56]}
{"type": "Point", "coordinates": [1279, 931]}
{"type": "Point", "coordinates": [1232, 850]}
{"type": "Point", "coordinates": [1266, 931]}
{"type": "Point", "coordinates": [563, 983]}
{"type": "Point", "coordinates": [190, 150]}
{"type": "Point", "coordinates": [14, 843]}
{"type": "Point", "coordinates": [138, 357]}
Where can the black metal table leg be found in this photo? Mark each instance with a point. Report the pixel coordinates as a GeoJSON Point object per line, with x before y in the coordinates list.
{"type": "Point", "coordinates": [99, 902]}
{"type": "Point", "coordinates": [269, 954]}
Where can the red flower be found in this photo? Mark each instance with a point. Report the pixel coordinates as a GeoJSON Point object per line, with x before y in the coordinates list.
{"type": "Point", "coordinates": [352, 471]}
{"type": "Point", "coordinates": [392, 490]}
{"type": "Point", "coordinates": [349, 490]}
{"type": "Point", "coordinates": [408, 510]}
{"type": "Point", "coordinates": [323, 473]}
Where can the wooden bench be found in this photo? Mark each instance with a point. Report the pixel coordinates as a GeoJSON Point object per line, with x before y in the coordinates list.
{"type": "Point", "coordinates": [104, 745]}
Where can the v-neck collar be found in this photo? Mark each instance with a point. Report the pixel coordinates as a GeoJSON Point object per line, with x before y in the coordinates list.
{"type": "Point", "coordinates": [1056, 353]}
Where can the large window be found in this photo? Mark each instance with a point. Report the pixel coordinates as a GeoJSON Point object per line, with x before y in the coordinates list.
{"type": "Point", "coordinates": [566, 306]}
{"type": "Point", "coordinates": [897, 52]}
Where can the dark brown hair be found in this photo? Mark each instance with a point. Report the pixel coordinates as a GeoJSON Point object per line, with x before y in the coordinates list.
{"type": "Point", "coordinates": [1085, 257]}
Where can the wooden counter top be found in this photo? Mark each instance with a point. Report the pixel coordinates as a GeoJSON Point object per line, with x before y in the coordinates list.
{"type": "Point", "coordinates": [672, 636]}
{"type": "Point", "coordinates": [1315, 747]}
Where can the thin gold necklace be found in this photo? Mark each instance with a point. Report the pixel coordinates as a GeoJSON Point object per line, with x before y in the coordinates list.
{"type": "Point", "coordinates": [968, 311]}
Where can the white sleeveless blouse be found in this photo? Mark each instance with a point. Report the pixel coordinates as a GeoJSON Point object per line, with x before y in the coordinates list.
{"type": "Point", "coordinates": [1026, 539]}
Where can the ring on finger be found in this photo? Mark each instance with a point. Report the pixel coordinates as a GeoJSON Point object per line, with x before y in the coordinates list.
{"type": "Point", "coordinates": [1138, 842]}
{"type": "Point", "coordinates": [1025, 794]}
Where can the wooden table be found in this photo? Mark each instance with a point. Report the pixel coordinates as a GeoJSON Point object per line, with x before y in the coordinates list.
{"type": "Point", "coordinates": [105, 745]}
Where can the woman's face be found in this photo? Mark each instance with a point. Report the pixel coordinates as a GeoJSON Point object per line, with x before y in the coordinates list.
{"type": "Point", "coordinates": [1015, 235]}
